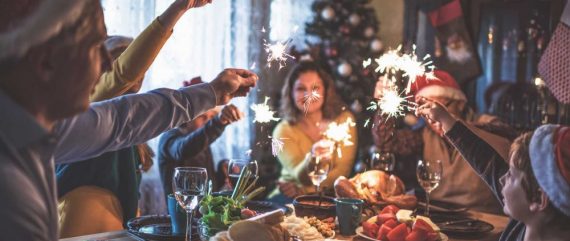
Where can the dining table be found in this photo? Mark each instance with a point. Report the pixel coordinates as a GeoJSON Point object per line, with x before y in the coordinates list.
{"type": "Point", "coordinates": [498, 221]}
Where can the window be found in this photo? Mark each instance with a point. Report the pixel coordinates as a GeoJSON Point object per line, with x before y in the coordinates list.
{"type": "Point", "coordinates": [204, 42]}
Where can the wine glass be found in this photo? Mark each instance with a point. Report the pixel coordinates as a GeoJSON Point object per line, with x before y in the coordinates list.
{"type": "Point", "coordinates": [384, 161]}
{"type": "Point", "coordinates": [429, 175]}
{"type": "Point", "coordinates": [235, 166]}
{"type": "Point", "coordinates": [190, 185]}
{"type": "Point", "coordinates": [320, 164]}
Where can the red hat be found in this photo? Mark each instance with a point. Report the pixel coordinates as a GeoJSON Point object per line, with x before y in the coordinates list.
{"type": "Point", "coordinates": [193, 81]}
{"type": "Point", "coordinates": [437, 84]}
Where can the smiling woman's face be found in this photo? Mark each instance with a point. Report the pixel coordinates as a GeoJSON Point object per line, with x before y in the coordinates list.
{"type": "Point", "coordinates": [304, 87]}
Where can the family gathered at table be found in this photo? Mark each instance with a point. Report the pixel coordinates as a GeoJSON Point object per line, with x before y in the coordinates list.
{"type": "Point", "coordinates": [74, 127]}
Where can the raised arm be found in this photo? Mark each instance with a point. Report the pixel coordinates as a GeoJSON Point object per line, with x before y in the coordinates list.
{"type": "Point", "coordinates": [182, 144]}
{"type": "Point", "coordinates": [133, 119]}
{"type": "Point", "coordinates": [481, 156]}
{"type": "Point", "coordinates": [186, 146]}
{"type": "Point", "coordinates": [343, 164]}
{"type": "Point", "coordinates": [129, 120]}
{"type": "Point", "coordinates": [130, 67]}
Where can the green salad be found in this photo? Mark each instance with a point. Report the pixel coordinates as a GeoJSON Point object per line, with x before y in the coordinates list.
{"type": "Point", "coordinates": [219, 212]}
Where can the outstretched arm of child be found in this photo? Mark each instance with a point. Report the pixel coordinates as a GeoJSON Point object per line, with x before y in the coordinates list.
{"type": "Point", "coordinates": [484, 159]}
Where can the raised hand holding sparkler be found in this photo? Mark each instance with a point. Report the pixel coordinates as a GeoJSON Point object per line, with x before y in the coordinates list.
{"type": "Point", "coordinates": [435, 113]}
{"type": "Point", "coordinates": [340, 134]}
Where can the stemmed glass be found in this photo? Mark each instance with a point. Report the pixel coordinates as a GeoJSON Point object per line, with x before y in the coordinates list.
{"type": "Point", "coordinates": [319, 166]}
{"type": "Point", "coordinates": [235, 166]}
{"type": "Point", "coordinates": [429, 175]}
{"type": "Point", "coordinates": [383, 161]}
{"type": "Point", "coordinates": [190, 185]}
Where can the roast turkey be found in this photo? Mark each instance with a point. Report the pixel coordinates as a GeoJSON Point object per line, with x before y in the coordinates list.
{"type": "Point", "coordinates": [375, 187]}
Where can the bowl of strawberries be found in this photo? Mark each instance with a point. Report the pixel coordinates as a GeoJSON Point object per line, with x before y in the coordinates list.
{"type": "Point", "coordinates": [394, 224]}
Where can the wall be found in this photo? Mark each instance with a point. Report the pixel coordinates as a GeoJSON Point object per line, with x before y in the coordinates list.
{"type": "Point", "coordinates": [391, 16]}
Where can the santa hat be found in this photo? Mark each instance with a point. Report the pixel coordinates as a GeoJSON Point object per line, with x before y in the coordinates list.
{"type": "Point", "coordinates": [115, 42]}
{"type": "Point", "coordinates": [437, 84]}
{"type": "Point", "coordinates": [193, 81]}
{"type": "Point", "coordinates": [550, 160]}
{"type": "Point", "coordinates": [36, 23]}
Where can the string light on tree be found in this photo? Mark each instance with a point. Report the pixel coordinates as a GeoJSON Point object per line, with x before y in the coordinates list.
{"type": "Point", "coordinates": [344, 69]}
{"type": "Point", "coordinates": [263, 113]}
{"type": "Point", "coordinates": [328, 13]}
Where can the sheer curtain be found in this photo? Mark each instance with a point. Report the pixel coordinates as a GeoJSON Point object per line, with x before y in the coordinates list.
{"type": "Point", "coordinates": [204, 42]}
{"type": "Point", "coordinates": [287, 16]}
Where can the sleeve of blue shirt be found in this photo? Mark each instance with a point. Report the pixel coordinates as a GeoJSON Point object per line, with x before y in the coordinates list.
{"type": "Point", "coordinates": [129, 120]}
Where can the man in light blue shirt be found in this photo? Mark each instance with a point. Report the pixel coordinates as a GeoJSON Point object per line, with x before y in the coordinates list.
{"type": "Point", "coordinates": [45, 116]}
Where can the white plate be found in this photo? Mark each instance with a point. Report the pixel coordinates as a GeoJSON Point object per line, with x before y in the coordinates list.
{"type": "Point", "coordinates": [360, 232]}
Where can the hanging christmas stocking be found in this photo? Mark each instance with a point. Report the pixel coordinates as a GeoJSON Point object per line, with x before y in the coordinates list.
{"type": "Point", "coordinates": [554, 65]}
{"type": "Point", "coordinates": [454, 49]}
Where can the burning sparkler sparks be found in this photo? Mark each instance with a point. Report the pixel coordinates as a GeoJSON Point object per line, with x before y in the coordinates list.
{"type": "Point", "coordinates": [276, 145]}
{"type": "Point", "coordinates": [263, 113]}
{"type": "Point", "coordinates": [277, 52]}
{"type": "Point", "coordinates": [340, 134]}
{"type": "Point", "coordinates": [391, 103]}
{"type": "Point", "coordinates": [392, 61]}
{"type": "Point", "coordinates": [310, 98]}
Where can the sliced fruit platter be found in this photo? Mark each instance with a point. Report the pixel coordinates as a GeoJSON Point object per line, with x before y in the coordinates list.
{"type": "Point", "coordinates": [394, 224]}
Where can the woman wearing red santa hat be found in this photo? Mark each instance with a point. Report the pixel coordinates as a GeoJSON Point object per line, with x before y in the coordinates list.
{"type": "Point", "coordinates": [533, 186]}
{"type": "Point", "coordinates": [460, 184]}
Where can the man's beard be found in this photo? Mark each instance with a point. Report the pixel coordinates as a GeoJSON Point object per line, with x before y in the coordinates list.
{"type": "Point", "coordinates": [458, 55]}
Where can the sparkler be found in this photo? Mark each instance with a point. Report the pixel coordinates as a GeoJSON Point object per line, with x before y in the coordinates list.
{"type": "Point", "coordinates": [263, 113]}
{"type": "Point", "coordinates": [277, 52]}
{"type": "Point", "coordinates": [310, 98]}
{"type": "Point", "coordinates": [392, 61]}
{"type": "Point", "coordinates": [276, 145]}
{"type": "Point", "coordinates": [366, 63]}
{"type": "Point", "coordinates": [340, 134]}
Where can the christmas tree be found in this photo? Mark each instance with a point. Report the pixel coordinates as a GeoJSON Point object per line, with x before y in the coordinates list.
{"type": "Point", "coordinates": [346, 36]}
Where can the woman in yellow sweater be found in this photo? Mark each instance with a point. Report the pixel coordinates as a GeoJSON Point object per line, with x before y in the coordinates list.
{"type": "Point", "coordinates": [309, 104]}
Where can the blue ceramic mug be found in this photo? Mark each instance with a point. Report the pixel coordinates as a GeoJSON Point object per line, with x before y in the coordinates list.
{"type": "Point", "coordinates": [177, 215]}
{"type": "Point", "coordinates": [349, 213]}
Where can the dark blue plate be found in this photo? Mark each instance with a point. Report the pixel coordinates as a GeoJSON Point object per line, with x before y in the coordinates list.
{"type": "Point", "coordinates": [156, 227]}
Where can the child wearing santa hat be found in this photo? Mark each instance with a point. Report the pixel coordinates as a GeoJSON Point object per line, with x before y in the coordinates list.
{"type": "Point", "coordinates": [533, 186]}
